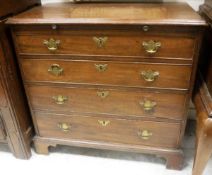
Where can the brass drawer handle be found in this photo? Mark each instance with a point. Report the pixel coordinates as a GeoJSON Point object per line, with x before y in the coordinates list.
{"type": "Point", "coordinates": [148, 105]}
{"type": "Point", "coordinates": [65, 127]}
{"type": "Point", "coordinates": [101, 67]}
{"type": "Point", "coordinates": [60, 99]}
{"type": "Point", "coordinates": [145, 134]}
{"type": "Point", "coordinates": [100, 41]}
{"type": "Point", "coordinates": [55, 69]}
{"type": "Point", "coordinates": [150, 75]}
{"type": "Point", "coordinates": [104, 122]}
{"type": "Point", "coordinates": [103, 94]}
{"type": "Point", "coordinates": [52, 44]}
{"type": "Point", "coordinates": [151, 46]}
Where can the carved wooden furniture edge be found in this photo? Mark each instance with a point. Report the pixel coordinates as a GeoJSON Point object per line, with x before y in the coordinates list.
{"type": "Point", "coordinates": [206, 11]}
{"type": "Point", "coordinates": [205, 95]}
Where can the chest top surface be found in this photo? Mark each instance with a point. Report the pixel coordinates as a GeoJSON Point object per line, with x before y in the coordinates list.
{"type": "Point", "coordinates": [13, 6]}
{"type": "Point", "coordinates": [110, 13]}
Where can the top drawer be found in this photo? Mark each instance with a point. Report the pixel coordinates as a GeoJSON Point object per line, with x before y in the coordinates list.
{"type": "Point", "coordinates": [131, 43]}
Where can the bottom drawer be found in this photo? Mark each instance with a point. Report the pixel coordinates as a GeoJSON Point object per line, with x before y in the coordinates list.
{"type": "Point", "coordinates": [106, 129]}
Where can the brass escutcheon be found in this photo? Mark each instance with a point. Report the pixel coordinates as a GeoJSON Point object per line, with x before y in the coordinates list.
{"type": "Point", "coordinates": [148, 105]}
{"type": "Point", "coordinates": [103, 94]}
{"type": "Point", "coordinates": [104, 122]}
{"type": "Point", "coordinates": [60, 99]}
{"type": "Point", "coordinates": [150, 75]}
{"type": "Point", "coordinates": [145, 134]}
{"type": "Point", "coordinates": [151, 46]}
{"type": "Point", "coordinates": [101, 67]}
{"type": "Point", "coordinates": [65, 127]}
{"type": "Point", "coordinates": [100, 41]}
{"type": "Point", "coordinates": [52, 44]}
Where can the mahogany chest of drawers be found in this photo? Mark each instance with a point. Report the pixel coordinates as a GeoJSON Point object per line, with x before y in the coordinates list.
{"type": "Point", "coordinates": [16, 128]}
{"type": "Point", "coordinates": [110, 76]}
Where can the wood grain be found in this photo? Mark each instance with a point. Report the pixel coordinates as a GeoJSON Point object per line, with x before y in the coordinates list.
{"type": "Point", "coordinates": [203, 135]}
{"type": "Point", "coordinates": [15, 122]}
{"type": "Point", "coordinates": [104, 13]}
{"type": "Point", "coordinates": [118, 102]}
{"type": "Point", "coordinates": [175, 25]}
{"type": "Point", "coordinates": [10, 7]}
{"type": "Point", "coordinates": [118, 131]}
{"type": "Point", "coordinates": [117, 73]}
{"type": "Point", "coordinates": [119, 43]}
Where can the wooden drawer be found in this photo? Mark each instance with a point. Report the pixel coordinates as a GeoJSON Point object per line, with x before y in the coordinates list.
{"type": "Point", "coordinates": [111, 73]}
{"type": "Point", "coordinates": [107, 43]}
{"type": "Point", "coordinates": [108, 101]}
{"type": "Point", "coordinates": [2, 131]}
{"type": "Point", "coordinates": [136, 132]}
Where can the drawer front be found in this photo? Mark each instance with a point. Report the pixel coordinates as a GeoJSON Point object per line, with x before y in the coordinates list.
{"type": "Point", "coordinates": [2, 131]}
{"type": "Point", "coordinates": [107, 43]}
{"type": "Point", "coordinates": [134, 132]}
{"type": "Point", "coordinates": [107, 73]}
{"type": "Point", "coordinates": [108, 101]}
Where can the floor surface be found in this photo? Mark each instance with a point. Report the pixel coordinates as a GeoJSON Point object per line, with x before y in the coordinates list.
{"type": "Point", "coordinates": [64, 160]}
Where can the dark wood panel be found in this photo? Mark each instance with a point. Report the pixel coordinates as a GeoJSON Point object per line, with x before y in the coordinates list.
{"type": "Point", "coordinates": [203, 131]}
{"type": "Point", "coordinates": [117, 43]}
{"type": "Point", "coordinates": [15, 112]}
{"type": "Point", "coordinates": [108, 101]}
{"type": "Point", "coordinates": [116, 131]}
{"type": "Point", "coordinates": [205, 95]}
{"type": "Point", "coordinates": [9, 7]}
{"type": "Point", "coordinates": [116, 73]}
{"type": "Point", "coordinates": [205, 64]}
{"type": "Point", "coordinates": [202, 97]}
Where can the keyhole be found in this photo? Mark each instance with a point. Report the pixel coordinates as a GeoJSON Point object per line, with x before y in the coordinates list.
{"type": "Point", "coordinates": [101, 42]}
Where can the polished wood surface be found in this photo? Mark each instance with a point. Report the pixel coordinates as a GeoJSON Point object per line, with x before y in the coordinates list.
{"type": "Point", "coordinates": [14, 109]}
{"type": "Point", "coordinates": [83, 128]}
{"type": "Point", "coordinates": [9, 7]}
{"type": "Point", "coordinates": [128, 74]}
{"type": "Point", "coordinates": [101, 72]}
{"type": "Point", "coordinates": [15, 122]}
{"type": "Point", "coordinates": [104, 13]}
{"type": "Point", "coordinates": [206, 97]}
{"type": "Point", "coordinates": [205, 64]}
{"type": "Point", "coordinates": [120, 102]}
{"type": "Point", "coordinates": [120, 42]}
{"type": "Point", "coordinates": [203, 97]}
{"type": "Point", "coordinates": [203, 131]}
